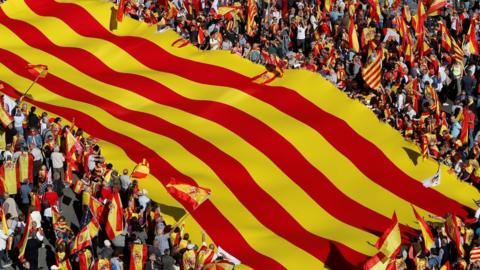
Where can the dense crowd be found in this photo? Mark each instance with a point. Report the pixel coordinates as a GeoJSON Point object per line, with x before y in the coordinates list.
{"type": "Point", "coordinates": [431, 96]}
{"type": "Point", "coordinates": [429, 93]}
{"type": "Point", "coordinates": [32, 198]}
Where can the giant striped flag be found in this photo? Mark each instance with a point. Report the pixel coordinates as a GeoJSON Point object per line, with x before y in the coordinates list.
{"type": "Point", "coordinates": [298, 172]}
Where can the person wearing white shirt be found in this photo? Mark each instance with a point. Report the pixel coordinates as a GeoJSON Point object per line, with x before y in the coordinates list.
{"type": "Point", "coordinates": [143, 199]}
{"type": "Point", "coordinates": [18, 121]}
{"type": "Point", "coordinates": [125, 180]}
{"type": "Point", "coordinates": [3, 249]}
{"type": "Point", "coordinates": [301, 29]}
{"type": "Point", "coordinates": [57, 162]}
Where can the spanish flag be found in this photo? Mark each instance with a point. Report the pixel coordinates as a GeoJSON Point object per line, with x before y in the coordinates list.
{"type": "Point", "coordinates": [8, 174]}
{"type": "Point", "coordinates": [96, 207]}
{"type": "Point", "coordinates": [70, 142]}
{"type": "Point", "coordinates": [379, 262]}
{"type": "Point", "coordinates": [421, 17]}
{"type": "Point", "coordinates": [39, 71]}
{"type": "Point", "coordinates": [85, 259]}
{"type": "Point", "coordinates": [391, 240]}
{"type": "Point", "coordinates": [472, 38]}
{"type": "Point", "coordinates": [102, 264]}
{"type": "Point", "coordinates": [138, 256]}
{"type": "Point", "coordinates": [452, 227]}
{"type": "Point", "coordinates": [93, 227]}
{"type": "Point", "coordinates": [352, 36]}
{"type": "Point", "coordinates": [63, 262]}
{"type": "Point", "coordinates": [35, 201]}
{"type": "Point", "coordinates": [114, 225]}
{"type": "Point", "coordinates": [141, 171]}
{"type": "Point", "coordinates": [23, 241]}
{"type": "Point", "coordinates": [191, 195]}
{"type": "Point", "coordinates": [25, 167]}
{"type": "Point", "coordinates": [55, 215]}
{"type": "Point", "coordinates": [426, 232]}
{"type": "Point", "coordinates": [82, 240]}
{"type": "Point", "coordinates": [5, 117]}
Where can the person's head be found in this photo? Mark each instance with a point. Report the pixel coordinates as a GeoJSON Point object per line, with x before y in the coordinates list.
{"type": "Point", "coordinates": [49, 188]}
{"type": "Point", "coordinates": [166, 251]}
{"type": "Point", "coordinates": [186, 236]}
{"type": "Point", "coordinates": [152, 257]}
{"type": "Point", "coordinates": [125, 171]}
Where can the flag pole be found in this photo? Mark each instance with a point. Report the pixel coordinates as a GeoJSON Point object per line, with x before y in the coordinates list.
{"type": "Point", "coordinates": [182, 219]}
{"type": "Point", "coordinates": [31, 85]}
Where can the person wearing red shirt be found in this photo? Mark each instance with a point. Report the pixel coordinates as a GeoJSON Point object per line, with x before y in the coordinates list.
{"type": "Point", "coordinates": [51, 196]}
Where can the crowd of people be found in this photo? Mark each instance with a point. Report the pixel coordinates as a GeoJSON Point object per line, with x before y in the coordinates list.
{"type": "Point", "coordinates": [430, 94]}
{"type": "Point", "coordinates": [38, 165]}
{"type": "Point", "coordinates": [429, 88]}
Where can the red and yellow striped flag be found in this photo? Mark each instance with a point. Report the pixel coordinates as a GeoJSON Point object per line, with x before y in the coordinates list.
{"type": "Point", "coordinates": [138, 256]}
{"type": "Point", "coordinates": [263, 149]}
{"type": "Point", "coordinates": [252, 13]}
{"type": "Point", "coordinates": [372, 72]}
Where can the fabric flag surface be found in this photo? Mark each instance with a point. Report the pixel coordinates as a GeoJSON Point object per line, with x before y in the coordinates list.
{"type": "Point", "coordinates": [273, 165]}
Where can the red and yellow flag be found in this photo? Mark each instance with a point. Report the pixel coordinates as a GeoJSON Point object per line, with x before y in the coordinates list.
{"type": "Point", "coordinates": [5, 117]}
{"type": "Point", "coordinates": [85, 259]}
{"type": "Point", "coordinates": [25, 167]}
{"type": "Point", "coordinates": [4, 223]}
{"type": "Point", "coordinates": [23, 241]}
{"type": "Point", "coordinates": [471, 38]}
{"type": "Point", "coordinates": [435, 7]}
{"type": "Point", "coordinates": [82, 240]}
{"type": "Point", "coordinates": [114, 225]}
{"type": "Point", "coordinates": [8, 176]}
{"type": "Point", "coordinates": [192, 196]}
{"type": "Point", "coordinates": [203, 121]}
{"type": "Point", "coordinates": [426, 232]}
{"type": "Point", "coordinates": [372, 72]}
{"type": "Point", "coordinates": [39, 71]}
{"type": "Point", "coordinates": [138, 256]}
{"type": "Point", "coordinates": [93, 227]}
{"type": "Point", "coordinates": [252, 13]}
{"type": "Point", "coordinates": [352, 36]}
{"type": "Point", "coordinates": [141, 171]}
{"type": "Point", "coordinates": [391, 240]}
{"type": "Point", "coordinates": [452, 227]}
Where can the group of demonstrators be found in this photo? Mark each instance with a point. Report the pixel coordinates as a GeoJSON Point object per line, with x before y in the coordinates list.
{"type": "Point", "coordinates": [414, 64]}
{"type": "Point", "coordinates": [41, 158]}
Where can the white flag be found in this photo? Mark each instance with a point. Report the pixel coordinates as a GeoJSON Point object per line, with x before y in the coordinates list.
{"type": "Point", "coordinates": [227, 256]}
{"type": "Point", "coordinates": [432, 181]}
